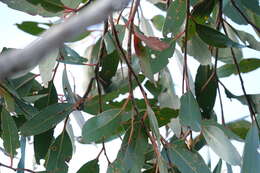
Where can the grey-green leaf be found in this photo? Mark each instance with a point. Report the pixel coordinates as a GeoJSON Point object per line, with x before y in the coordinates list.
{"type": "Point", "coordinates": [103, 125]}
{"type": "Point", "coordinates": [215, 38]}
{"type": "Point", "coordinates": [186, 161]}
{"type": "Point", "coordinates": [9, 133]}
{"type": "Point", "coordinates": [59, 153]}
{"type": "Point", "coordinates": [91, 167]}
{"type": "Point", "coordinates": [174, 18]}
{"type": "Point", "coordinates": [221, 145]}
{"type": "Point", "coordinates": [48, 118]}
{"type": "Point", "coordinates": [251, 155]}
{"type": "Point", "coordinates": [190, 112]}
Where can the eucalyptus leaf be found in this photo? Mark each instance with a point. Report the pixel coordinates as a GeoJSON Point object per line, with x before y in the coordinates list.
{"type": "Point", "coordinates": [190, 112]}
{"type": "Point", "coordinates": [9, 133]}
{"type": "Point", "coordinates": [216, 139]}
{"type": "Point", "coordinates": [91, 166]}
{"type": "Point", "coordinates": [251, 155]}
{"type": "Point", "coordinates": [48, 118]}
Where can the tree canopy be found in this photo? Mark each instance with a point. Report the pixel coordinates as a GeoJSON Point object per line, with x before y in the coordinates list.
{"type": "Point", "coordinates": [130, 91]}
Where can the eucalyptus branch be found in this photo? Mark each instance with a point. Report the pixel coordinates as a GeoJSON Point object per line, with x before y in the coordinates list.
{"type": "Point", "coordinates": [17, 61]}
{"type": "Point", "coordinates": [16, 169]}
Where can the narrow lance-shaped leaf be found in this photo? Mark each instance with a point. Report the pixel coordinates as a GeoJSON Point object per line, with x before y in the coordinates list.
{"type": "Point", "coordinates": [91, 166]}
{"type": "Point", "coordinates": [46, 119]}
{"type": "Point", "coordinates": [59, 153]}
{"type": "Point", "coordinates": [153, 123]}
{"type": "Point", "coordinates": [186, 161]}
{"type": "Point", "coordinates": [190, 112]}
{"type": "Point", "coordinates": [9, 133]}
{"type": "Point", "coordinates": [206, 89]}
{"type": "Point", "coordinates": [251, 155]}
{"type": "Point", "coordinates": [175, 17]}
{"type": "Point", "coordinates": [131, 155]}
{"type": "Point", "coordinates": [221, 145]}
{"type": "Point", "coordinates": [70, 56]}
{"type": "Point", "coordinates": [104, 125]}
{"type": "Point", "coordinates": [215, 38]}
{"type": "Point", "coordinates": [31, 27]}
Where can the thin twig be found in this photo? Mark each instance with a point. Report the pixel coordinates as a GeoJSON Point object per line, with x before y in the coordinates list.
{"type": "Point", "coordinates": [17, 169]}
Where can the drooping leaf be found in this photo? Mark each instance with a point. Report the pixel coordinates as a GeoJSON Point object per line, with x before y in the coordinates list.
{"type": "Point", "coordinates": [153, 42]}
{"type": "Point", "coordinates": [153, 123]}
{"type": "Point", "coordinates": [203, 56]}
{"type": "Point", "coordinates": [167, 97]}
{"type": "Point", "coordinates": [202, 10]}
{"type": "Point", "coordinates": [42, 143]}
{"type": "Point", "coordinates": [46, 10]}
{"type": "Point", "coordinates": [215, 38]}
{"type": "Point", "coordinates": [109, 68]}
{"type": "Point", "coordinates": [46, 119]}
{"type": "Point", "coordinates": [239, 127]}
{"type": "Point", "coordinates": [186, 160]}
{"type": "Point", "coordinates": [70, 56]}
{"type": "Point", "coordinates": [8, 100]}
{"type": "Point", "coordinates": [252, 5]}
{"type": "Point", "coordinates": [189, 112]}
{"type": "Point", "coordinates": [218, 167]}
{"type": "Point", "coordinates": [52, 6]}
{"type": "Point", "coordinates": [131, 155]}
{"type": "Point", "coordinates": [220, 144]}
{"type": "Point", "coordinates": [50, 98]}
{"type": "Point", "coordinates": [247, 38]}
{"type": "Point", "coordinates": [21, 164]}
{"type": "Point", "coordinates": [46, 67]}
{"type": "Point", "coordinates": [245, 66]}
{"type": "Point", "coordinates": [251, 155]}
{"type": "Point", "coordinates": [231, 12]}
{"type": "Point", "coordinates": [32, 28]}
{"type": "Point", "coordinates": [104, 125]}
{"type": "Point", "coordinates": [174, 19]}
{"type": "Point", "coordinates": [206, 89]}
{"type": "Point", "coordinates": [9, 133]}
{"type": "Point", "coordinates": [158, 21]}
{"type": "Point", "coordinates": [59, 154]}
{"type": "Point", "coordinates": [91, 166]}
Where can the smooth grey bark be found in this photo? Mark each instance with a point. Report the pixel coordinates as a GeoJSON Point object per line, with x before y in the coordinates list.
{"type": "Point", "coordinates": [13, 62]}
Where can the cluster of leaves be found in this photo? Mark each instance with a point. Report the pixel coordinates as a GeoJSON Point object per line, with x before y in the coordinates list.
{"type": "Point", "coordinates": [29, 109]}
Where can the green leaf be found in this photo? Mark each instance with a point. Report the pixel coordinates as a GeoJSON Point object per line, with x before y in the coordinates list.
{"type": "Point", "coordinates": [91, 166]}
{"type": "Point", "coordinates": [49, 5]}
{"type": "Point", "coordinates": [158, 22]}
{"type": "Point", "coordinates": [8, 100]}
{"type": "Point", "coordinates": [251, 156]}
{"type": "Point", "coordinates": [220, 144]}
{"type": "Point", "coordinates": [33, 8]}
{"type": "Point", "coordinates": [48, 118]}
{"type": "Point", "coordinates": [247, 38]}
{"type": "Point", "coordinates": [245, 66]}
{"type": "Point", "coordinates": [70, 96]}
{"type": "Point", "coordinates": [41, 144]}
{"type": "Point", "coordinates": [175, 17]}
{"type": "Point", "coordinates": [239, 127]}
{"type": "Point", "coordinates": [21, 163]}
{"type": "Point", "coordinates": [71, 4]}
{"type": "Point", "coordinates": [195, 44]}
{"type": "Point", "coordinates": [131, 155]}
{"type": "Point", "coordinates": [70, 56]}
{"type": "Point", "coordinates": [202, 10]}
{"type": "Point", "coordinates": [59, 154]}
{"type": "Point", "coordinates": [104, 125]}
{"type": "Point", "coordinates": [153, 123]}
{"type": "Point", "coordinates": [187, 161]}
{"type": "Point", "coordinates": [190, 112]}
{"type": "Point", "coordinates": [218, 167]}
{"type": "Point", "coordinates": [252, 5]}
{"type": "Point", "coordinates": [231, 12]}
{"type": "Point", "coordinates": [206, 89]}
{"type": "Point", "coordinates": [32, 27]}
{"type": "Point", "coordinates": [109, 68]}
{"type": "Point", "coordinates": [49, 99]}
{"type": "Point", "coordinates": [215, 38]}
{"type": "Point", "coordinates": [9, 133]}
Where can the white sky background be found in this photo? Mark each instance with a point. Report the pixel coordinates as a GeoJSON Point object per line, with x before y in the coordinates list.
{"type": "Point", "coordinates": [11, 36]}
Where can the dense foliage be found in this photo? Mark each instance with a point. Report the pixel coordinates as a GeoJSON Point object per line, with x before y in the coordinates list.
{"type": "Point", "coordinates": [130, 57]}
